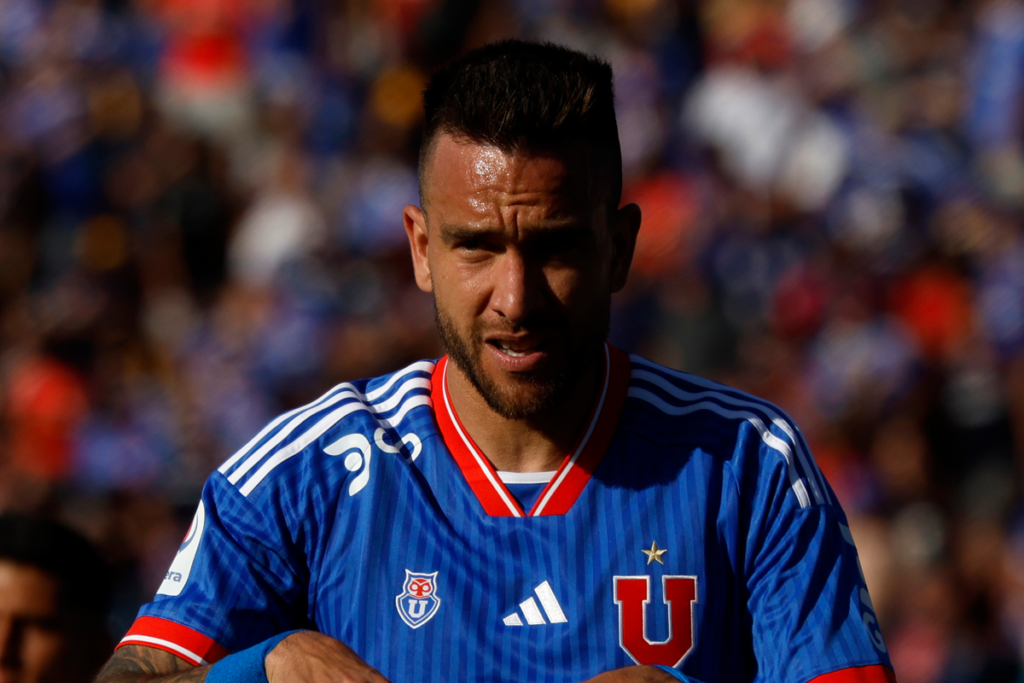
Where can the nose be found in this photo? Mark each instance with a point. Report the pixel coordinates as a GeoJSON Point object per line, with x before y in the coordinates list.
{"type": "Point", "coordinates": [518, 288]}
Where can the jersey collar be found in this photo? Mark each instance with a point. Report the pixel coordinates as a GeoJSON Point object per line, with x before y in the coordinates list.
{"type": "Point", "coordinates": [570, 479]}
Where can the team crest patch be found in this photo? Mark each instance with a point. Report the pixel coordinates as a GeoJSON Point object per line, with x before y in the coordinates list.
{"type": "Point", "coordinates": [418, 602]}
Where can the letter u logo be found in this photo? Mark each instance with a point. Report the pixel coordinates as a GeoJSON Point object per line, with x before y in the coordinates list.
{"type": "Point", "coordinates": [632, 595]}
{"type": "Point", "coordinates": [417, 608]}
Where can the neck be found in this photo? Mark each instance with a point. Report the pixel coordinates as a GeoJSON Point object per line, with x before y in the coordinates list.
{"type": "Point", "coordinates": [535, 444]}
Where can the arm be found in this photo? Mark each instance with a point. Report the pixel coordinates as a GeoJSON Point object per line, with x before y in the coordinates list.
{"type": "Point", "coordinates": [141, 664]}
{"type": "Point", "coordinates": [229, 588]}
{"type": "Point", "coordinates": [303, 657]}
{"type": "Point", "coordinates": [810, 613]}
{"type": "Point", "coordinates": [634, 674]}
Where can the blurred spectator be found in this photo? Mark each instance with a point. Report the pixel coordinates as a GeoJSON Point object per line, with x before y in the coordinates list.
{"type": "Point", "coordinates": [47, 402]}
{"type": "Point", "coordinates": [282, 225]}
{"type": "Point", "coordinates": [205, 71]}
{"type": "Point", "coordinates": [53, 603]}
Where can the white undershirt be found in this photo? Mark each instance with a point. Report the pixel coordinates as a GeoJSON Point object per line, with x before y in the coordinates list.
{"type": "Point", "coordinates": [525, 477]}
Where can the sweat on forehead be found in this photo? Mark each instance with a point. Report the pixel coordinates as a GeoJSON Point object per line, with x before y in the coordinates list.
{"type": "Point", "coordinates": [573, 167]}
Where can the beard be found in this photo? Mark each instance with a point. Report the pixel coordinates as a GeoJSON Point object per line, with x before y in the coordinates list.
{"type": "Point", "coordinates": [527, 394]}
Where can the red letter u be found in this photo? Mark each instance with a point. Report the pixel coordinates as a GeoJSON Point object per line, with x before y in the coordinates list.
{"type": "Point", "coordinates": [632, 594]}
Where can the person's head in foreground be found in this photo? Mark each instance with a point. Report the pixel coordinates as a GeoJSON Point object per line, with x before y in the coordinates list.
{"type": "Point", "coordinates": [520, 237]}
{"type": "Point", "coordinates": [53, 601]}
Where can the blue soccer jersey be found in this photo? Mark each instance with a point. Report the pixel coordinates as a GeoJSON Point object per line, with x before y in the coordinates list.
{"type": "Point", "coordinates": [689, 528]}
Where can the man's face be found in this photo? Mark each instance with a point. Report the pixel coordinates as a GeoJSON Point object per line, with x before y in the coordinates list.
{"type": "Point", "coordinates": [522, 259]}
{"type": "Point", "coordinates": [32, 637]}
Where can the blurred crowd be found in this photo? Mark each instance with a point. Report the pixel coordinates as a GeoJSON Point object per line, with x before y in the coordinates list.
{"type": "Point", "coordinates": [200, 227]}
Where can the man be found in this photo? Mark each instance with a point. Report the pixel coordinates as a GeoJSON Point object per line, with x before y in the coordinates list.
{"type": "Point", "coordinates": [53, 599]}
{"type": "Point", "coordinates": [509, 512]}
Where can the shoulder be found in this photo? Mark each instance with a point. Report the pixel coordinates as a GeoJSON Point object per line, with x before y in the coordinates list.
{"type": "Point", "coordinates": [296, 444]}
{"type": "Point", "coordinates": [675, 393]}
{"type": "Point", "coordinates": [672, 404]}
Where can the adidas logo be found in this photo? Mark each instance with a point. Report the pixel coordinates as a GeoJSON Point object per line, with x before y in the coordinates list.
{"type": "Point", "coordinates": [532, 613]}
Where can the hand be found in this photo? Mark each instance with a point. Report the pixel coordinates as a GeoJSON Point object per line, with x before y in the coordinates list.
{"type": "Point", "coordinates": [310, 657]}
{"type": "Point", "coordinates": [634, 674]}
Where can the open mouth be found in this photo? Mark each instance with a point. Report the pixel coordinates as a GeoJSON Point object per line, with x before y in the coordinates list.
{"type": "Point", "coordinates": [515, 349]}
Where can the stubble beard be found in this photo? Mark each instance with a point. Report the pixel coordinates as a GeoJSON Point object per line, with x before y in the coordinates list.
{"type": "Point", "coordinates": [548, 390]}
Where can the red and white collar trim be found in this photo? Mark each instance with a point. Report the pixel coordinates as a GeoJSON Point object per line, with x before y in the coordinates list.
{"type": "Point", "coordinates": [570, 479]}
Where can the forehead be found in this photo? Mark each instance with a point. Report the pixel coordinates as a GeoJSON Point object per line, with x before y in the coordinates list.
{"type": "Point", "coordinates": [470, 178]}
{"type": "Point", "coordinates": [26, 590]}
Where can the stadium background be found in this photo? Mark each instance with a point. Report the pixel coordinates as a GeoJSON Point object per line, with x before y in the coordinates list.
{"type": "Point", "coordinates": [201, 200]}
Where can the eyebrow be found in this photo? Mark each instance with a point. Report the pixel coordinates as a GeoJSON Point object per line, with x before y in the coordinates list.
{"type": "Point", "coordinates": [455, 233]}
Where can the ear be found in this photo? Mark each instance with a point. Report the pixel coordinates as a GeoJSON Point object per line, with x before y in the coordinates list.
{"type": "Point", "coordinates": [624, 228]}
{"type": "Point", "coordinates": [416, 228]}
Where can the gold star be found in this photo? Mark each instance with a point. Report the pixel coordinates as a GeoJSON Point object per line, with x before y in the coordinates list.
{"type": "Point", "coordinates": [654, 553]}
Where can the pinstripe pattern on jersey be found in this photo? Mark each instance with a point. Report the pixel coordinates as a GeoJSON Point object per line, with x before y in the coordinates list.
{"type": "Point", "coordinates": [802, 472]}
{"type": "Point", "coordinates": [309, 423]}
{"type": "Point", "coordinates": [814, 477]}
{"type": "Point", "coordinates": [704, 486]}
{"type": "Point", "coordinates": [797, 484]}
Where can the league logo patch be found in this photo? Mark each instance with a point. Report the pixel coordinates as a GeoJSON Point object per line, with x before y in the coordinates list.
{"type": "Point", "coordinates": [181, 567]}
{"type": "Point", "coordinates": [418, 601]}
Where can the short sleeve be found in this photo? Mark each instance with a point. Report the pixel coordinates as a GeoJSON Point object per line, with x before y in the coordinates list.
{"type": "Point", "coordinates": [812, 617]}
{"type": "Point", "coordinates": [232, 584]}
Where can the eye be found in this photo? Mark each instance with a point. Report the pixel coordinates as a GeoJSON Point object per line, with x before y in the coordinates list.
{"type": "Point", "coordinates": [42, 623]}
{"type": "Point", "coordinates": [470, 245]}
{"type": "Point", "coordinates": [475, 246]}
{"type": "Point", "coordinates": [564, 245]}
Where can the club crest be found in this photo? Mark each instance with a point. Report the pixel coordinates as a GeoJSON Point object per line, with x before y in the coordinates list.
{"type": "Point", "coordinates": [418, 601]}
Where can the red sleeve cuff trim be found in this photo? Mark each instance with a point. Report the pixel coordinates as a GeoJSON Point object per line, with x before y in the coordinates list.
{"type": "Point", "coordinates": [172, 637]}
{"type": "Point", "coordinates": [876, 673]}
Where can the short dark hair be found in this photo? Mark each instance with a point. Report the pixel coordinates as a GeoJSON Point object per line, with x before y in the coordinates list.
{"type": "Point", "coordinates": [523, 96]}
{"type": "Point", "coordinates": [63, 554]}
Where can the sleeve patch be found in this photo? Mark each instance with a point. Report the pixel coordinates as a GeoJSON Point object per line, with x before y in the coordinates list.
{"type": "Point", "coordinates": [175, 638]}
{"type": "Point", "coordinates": [177, 576]}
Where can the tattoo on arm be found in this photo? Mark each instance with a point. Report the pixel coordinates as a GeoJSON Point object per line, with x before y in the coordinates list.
{"type": "Point", "coordinates": [141, 664]}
